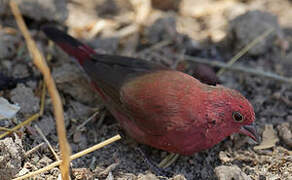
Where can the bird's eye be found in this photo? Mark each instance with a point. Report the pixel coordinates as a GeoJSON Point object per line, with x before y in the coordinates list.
{"type": "Point", "coordinates": [237, 116]}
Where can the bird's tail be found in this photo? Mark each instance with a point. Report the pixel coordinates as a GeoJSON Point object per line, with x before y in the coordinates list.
{"type": "Point", "coordinates": [69, 44]}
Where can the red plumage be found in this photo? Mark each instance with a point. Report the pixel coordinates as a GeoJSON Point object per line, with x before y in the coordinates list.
{"type": "Point", "coordinates": [158, 106]}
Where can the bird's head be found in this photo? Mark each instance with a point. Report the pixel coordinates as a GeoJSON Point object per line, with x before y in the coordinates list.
{"type": "Point", "coordinates": [228, 112]}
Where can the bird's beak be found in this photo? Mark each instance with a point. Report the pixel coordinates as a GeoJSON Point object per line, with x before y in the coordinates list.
{"type": "Point", "coordinates": [250, 130]}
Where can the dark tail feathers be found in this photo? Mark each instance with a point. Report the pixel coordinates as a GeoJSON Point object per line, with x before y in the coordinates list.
{"type": "Point", "coordinates": [69, 44]}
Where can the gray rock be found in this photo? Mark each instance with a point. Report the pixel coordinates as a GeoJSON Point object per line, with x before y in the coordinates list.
{"type": "Point", "coordinates": [47, 125]}
{"type": "Point", "coordinates": [11, 155]}
{"type": "Point", "coordinates": [287, 64]}
{"type": "Point", "coordinates": [4, 7]}
{"type": "Point", "coordinates": [162, 29]}
{"type": "Point", "coordinates": [67, 72]}
{"type": "Point", "coordinates": [148, 176]}
{"type": "Point", "coordinates": [7, 43]}
{"type": "Point", "coordinates": [24, 96]}
{"type": "Point", "coordinates": [79, 111]}
{"type": "Point", "coordinates": [109, 45]}
{"type": "Point", "coordinates": [72, 80]}
{"type": "Point", "coordinates": [230, 173]}
{"type": "Point", "coordinates": [247, 27]}
{"type": "Point", "coordinates": [51, 10]}
{"type": "Point", "coordinates": [178, 177]}
{"type": "Point", "coordinates": [20, 70]}
{"type": "Point", "coordinates": [285, 133]}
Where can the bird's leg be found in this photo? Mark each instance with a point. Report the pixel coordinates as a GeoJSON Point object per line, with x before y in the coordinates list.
{"type": "Point", "coordinates": [168, 160]}
{"type": "Point", "coordinates": [153, 166]}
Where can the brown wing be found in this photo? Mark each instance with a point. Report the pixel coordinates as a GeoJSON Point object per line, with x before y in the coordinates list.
{"type": "Point", "coordinates": [160, 101]}
{"type": "Point", "coordinates": [111, 73]}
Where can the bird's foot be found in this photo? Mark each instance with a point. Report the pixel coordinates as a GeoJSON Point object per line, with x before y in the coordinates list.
{"type": "Point", "coordinates": [153, 166]}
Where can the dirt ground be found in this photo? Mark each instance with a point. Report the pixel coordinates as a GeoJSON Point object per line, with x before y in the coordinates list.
{"type": "Point", "coordinates": [215, 30]}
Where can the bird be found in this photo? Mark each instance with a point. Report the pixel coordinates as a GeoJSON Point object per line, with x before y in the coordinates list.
{"type": "Point", "coordinates": [158, 106]}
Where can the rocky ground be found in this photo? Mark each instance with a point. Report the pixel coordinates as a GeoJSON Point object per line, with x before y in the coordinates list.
{"type": "Point", "coordinates": [166, 30]}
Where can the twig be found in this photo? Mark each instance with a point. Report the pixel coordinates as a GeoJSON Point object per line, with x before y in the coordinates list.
{"type": "Point", "coordinates": [43, 98]}
{"type": "Point", "coordinates": [126, 31]}
{"type": "Point", "coordinates": [6, 129]}
{"type": "Point", "coordinates": [245, 49]}
{"type": "Point", "coordinates": [109, 169]}
{"type": "Point", "coordinates": [238, 68]}
{"type": "Point", "coordinates": [101, 119]}
{"type": "Point", "coordinates": [48, 143]}
{"type": "Point", "coordinates": [41, 64]}
{"type": "Point", "coordinates": [86, 121]}
{"type": "Point", "coordinates": [33, 149]}
{"type": "Point", "coordinates": [97, 27]}
{"type": "Point", "coordinates": [75, 156]}
{"type": "Point", "coordinates": [30, 119]}
{"type": "Point", "coordinates": [155, 46]}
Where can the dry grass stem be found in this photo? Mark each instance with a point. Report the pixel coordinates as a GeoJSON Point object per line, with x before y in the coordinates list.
{"type": "Point", "coordinates": [30, 119]}
{"type": "Point", "coordinates": [48, 143]}
{"type": "Point", "coordinates": [75, 156]}
{"type": "Point", "coordinates": [34, 149]}
{"type": "Point", "coordinates": [238, 68]}
{"type": "Point", "coordinates": [24, 123]}
{"type": "Point", "coordinates": [5, 129]}
{"type": "Point", "coordinates": [41, 64]}
{"type": "Point", "coordinates": [246, 49]}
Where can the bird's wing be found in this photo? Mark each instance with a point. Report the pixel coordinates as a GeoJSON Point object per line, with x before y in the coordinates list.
{"type": "Point", "coordinates": [116, 70]}
{"type": "Point", "coordinates": [111, 73]}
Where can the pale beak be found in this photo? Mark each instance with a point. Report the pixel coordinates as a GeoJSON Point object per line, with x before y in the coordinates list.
{"type": "Point", "coordinates": [250, 130]}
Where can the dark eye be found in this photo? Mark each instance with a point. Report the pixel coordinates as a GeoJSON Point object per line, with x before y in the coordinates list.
{"type": "Point", "coordinates": [237, 116]}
